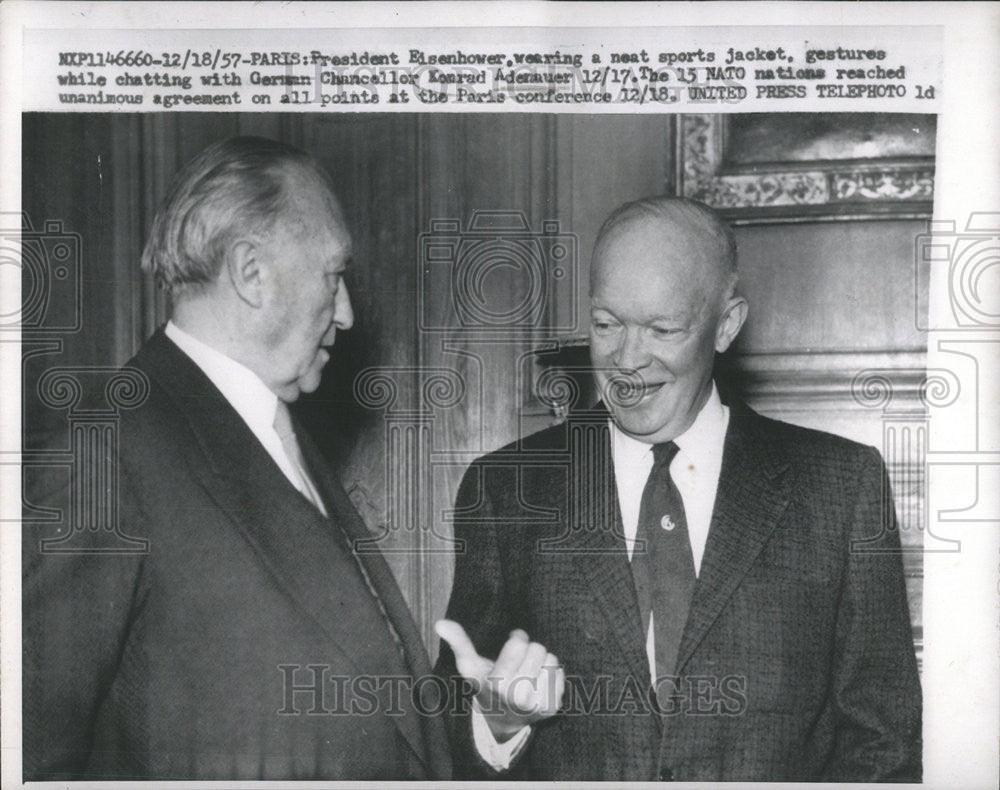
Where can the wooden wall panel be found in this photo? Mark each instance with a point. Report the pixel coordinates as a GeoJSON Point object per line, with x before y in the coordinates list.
{"type": "Point", "coordinates": [499, 169]}
{"type": "Point", "coordinates": [830, 286]}
{"type": "Point", "coordinates": [79, 172]}
{"type": "Point", "coordinates": [372, 160]}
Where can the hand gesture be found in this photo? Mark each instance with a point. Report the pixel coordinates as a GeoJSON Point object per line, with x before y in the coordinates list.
{"type": "Point", "coordinates": [524, 685]}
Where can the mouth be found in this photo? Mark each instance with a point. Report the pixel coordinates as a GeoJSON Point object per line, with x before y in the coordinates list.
{"type": "Point", "coordinates": [329, 336]}
{"type": "Point", "coordinates": [645, 392]}
{"type": "Point", "coordinates": [629, 393]}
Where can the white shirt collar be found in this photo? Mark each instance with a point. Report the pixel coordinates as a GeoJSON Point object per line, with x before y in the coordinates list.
{"type": "Point", "coordinates": [239, 385]}
{"type": "Point", "coordinates": [700, 445]}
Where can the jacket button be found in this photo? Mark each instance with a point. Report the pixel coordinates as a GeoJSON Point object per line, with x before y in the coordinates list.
{"type": "Point", "coordinates": [666, 775]}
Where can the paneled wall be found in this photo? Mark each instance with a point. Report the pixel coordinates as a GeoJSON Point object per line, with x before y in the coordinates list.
{"type": "Point", "coordinates": [832, 343]}
{"type": "Point", "coordinates": [431, 375]}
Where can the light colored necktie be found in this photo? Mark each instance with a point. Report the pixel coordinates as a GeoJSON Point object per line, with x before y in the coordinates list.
{"type": "Point", "coordinates": [286, 432]}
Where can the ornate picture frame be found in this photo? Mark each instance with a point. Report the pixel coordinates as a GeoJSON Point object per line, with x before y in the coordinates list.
{"type": "Point", "coordinates": [762, 168]}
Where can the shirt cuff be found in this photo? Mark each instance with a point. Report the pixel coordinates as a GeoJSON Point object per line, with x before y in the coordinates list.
{"type": "Point", "coordinates": [498, 756]}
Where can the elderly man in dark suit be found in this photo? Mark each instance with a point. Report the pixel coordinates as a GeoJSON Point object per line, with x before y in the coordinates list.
{"type": "Point", "coordinates": [251, 640]}
{"type": "Point", "coordinates": [711, 595]}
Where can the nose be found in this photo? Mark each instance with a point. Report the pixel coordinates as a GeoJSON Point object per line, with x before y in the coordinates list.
{"type": "Point", "coordinates": [343, 313]}
{"type": "Point", "coordinates": [631, 353]}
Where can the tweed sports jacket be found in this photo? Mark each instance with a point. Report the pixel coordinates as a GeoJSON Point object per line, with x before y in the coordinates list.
{"type": "Point", "coordinates": [796, 662]}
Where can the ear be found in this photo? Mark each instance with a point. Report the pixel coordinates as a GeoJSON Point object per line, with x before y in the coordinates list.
{"type": "Point", "coordinates": [731, 322]}
{"type": "Point", "coordinates": [244, 272]}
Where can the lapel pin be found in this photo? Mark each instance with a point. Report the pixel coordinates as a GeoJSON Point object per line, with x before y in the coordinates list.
{"type": "Point", "coordinates": [667, 523]}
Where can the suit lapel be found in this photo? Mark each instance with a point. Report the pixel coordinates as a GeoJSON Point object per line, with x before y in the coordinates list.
{"type": "Point", "coordinates": [305, 552]}
{"type": "Point", "coordinates": [291, 537]}
{"type": "Point", "coordinates": [340, 508]}
{"type": "Point", "coordinates": [751, 497]}
{"type": "Point", "coordinates": [597, 535]}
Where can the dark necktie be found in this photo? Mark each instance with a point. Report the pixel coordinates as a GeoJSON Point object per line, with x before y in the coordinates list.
{"type": "Point", "coordinates": [662, 562]}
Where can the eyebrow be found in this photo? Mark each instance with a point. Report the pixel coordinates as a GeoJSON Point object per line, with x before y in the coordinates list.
{"type": "Point", "coordinates": [345, 254]}
{"type": "Point", "coordinates": [675, 320]}
{"type": "Point", "coordinates": [347, 250]}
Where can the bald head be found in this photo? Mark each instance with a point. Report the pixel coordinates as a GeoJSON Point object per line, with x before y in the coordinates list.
{"type": "Point", "coordinates": [683, 238]}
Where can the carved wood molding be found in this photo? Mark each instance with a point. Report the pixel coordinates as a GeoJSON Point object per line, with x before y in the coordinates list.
{"type": "Point", "coordinates": [892, 381]}
{"type": "Point", "coordinates": [791, 192]}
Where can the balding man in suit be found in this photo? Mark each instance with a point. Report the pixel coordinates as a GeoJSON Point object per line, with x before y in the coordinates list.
{"type": "Point", "coordinates": [720, 594]}
{"type": "Point", "coordinates": [252, 640]}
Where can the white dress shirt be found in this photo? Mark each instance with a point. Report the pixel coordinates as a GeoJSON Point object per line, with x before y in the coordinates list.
{"type": "Point", "coordinates": [252, 399]}
{"type": "Point", "coordinates": [695, 471]}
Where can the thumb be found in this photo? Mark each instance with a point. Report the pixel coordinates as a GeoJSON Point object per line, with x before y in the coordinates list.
{"type": "Point", "coordinates": [467, 660]}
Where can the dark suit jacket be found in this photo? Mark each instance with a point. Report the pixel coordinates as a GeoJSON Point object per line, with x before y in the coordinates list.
{"type": "Point", "coordinates": [796, 662]}
{"type": "Point", "coordinates": [180, 663]}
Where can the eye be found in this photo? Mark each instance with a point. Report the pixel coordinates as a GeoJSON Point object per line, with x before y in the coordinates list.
{"type": "Point", "coordinates": [664, 332]}
{"type": "Point", "coordinates": [601, 324]}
